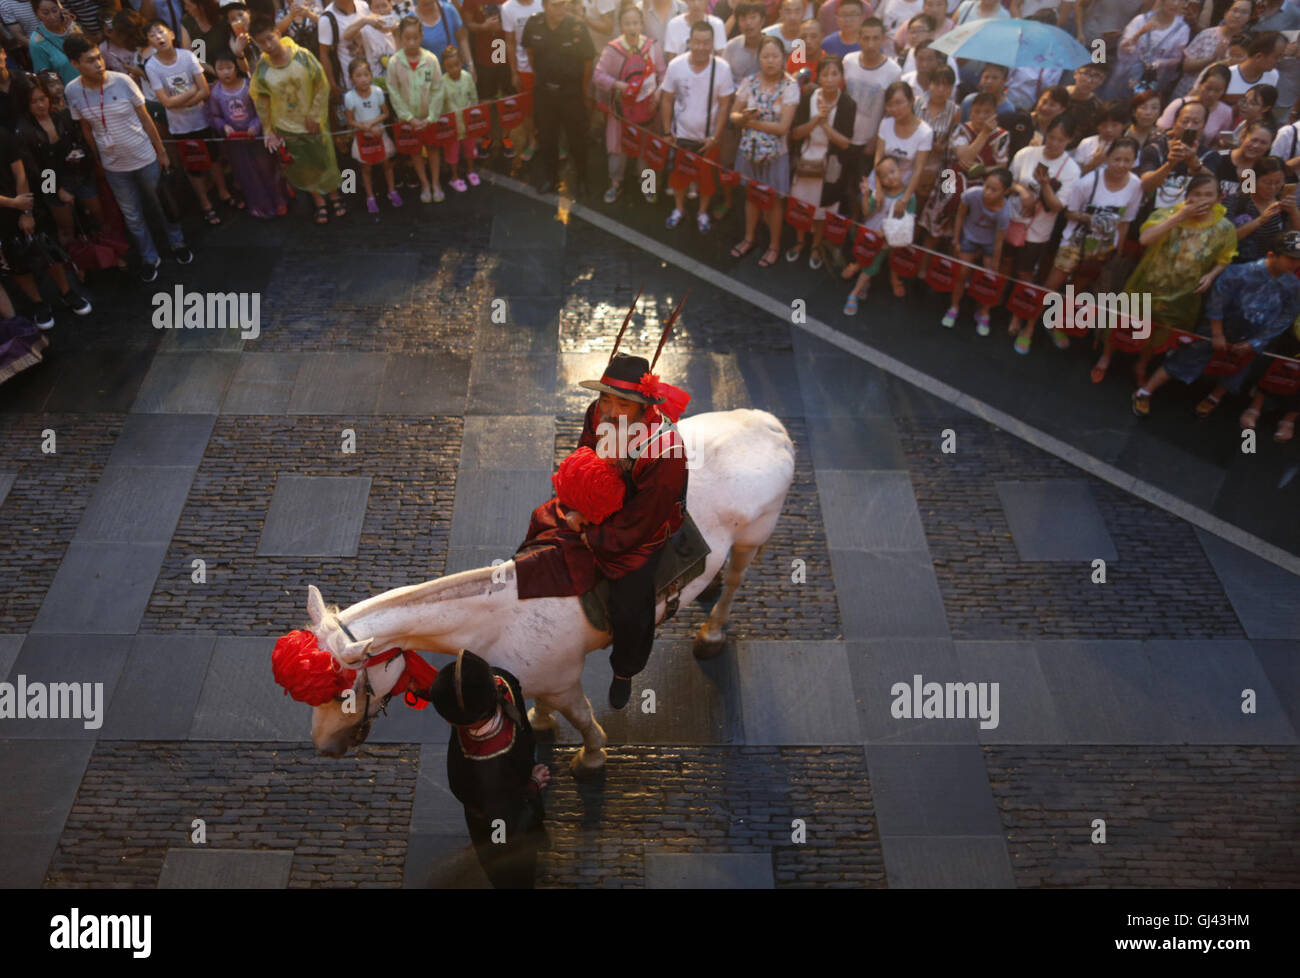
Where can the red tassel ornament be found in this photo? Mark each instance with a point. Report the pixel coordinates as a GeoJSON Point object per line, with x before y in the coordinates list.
{"type": "Point", "coordinates": [590, 484]}
{"type": "Point", "coordinates": [308, 674]}
{"type": "Point", "coordinates": [675, 399]}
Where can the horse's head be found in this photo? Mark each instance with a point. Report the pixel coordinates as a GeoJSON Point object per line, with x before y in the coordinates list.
{"type": "Point", "coordinates": [344, 722]}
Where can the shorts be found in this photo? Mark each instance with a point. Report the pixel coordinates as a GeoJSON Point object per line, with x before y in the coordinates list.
{"type": "Point", "coordinates": [467, 147]}
{"type": "Point", "coordinates": [1070, 256]}
{"type": "Point", "coordinates": [1029, 258]}
{"type": "Point", "coordinates": [81, 188]}
{"type": "Point", "coordinates": [969, 247]}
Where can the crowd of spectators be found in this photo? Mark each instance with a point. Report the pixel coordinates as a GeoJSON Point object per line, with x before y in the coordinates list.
{"type": "Point", "coordinates": [1166, 166]}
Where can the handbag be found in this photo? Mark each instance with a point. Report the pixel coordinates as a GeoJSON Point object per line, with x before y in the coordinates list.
{"type": "Point", "coordinates": [811, 169]}
{"type": "Point", "coordinates": [899, 231]}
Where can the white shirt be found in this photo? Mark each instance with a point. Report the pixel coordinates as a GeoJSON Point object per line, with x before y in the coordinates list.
{"type": "Point", "coordinates": [909, 63]}
{"type": "Point", "coordinates": [1125, 204]}
{"type": "Point", "coordinates": [1239, 86]}
{"type": "Point", "coordinates": [677, 35]}
{"type": "Point", "coordinates": [346, 50]}
{"type": "Point", "coordinates": [902, 150]}
{"type": "Point", "coordinates": [365, 109]}
{"type": "Point", "coordinates": [1087, 146]}
{"type": "Point", "coordinates": [175, 79]}
{"type": "Point", "coordinates": [690, 91]}
{"type": "Point", "coordinates": [774, 30]}
{"type": "Point", "coordinates": [896, 13]}
{"type": "Point", "coordinates": [866, 86]}
{"type": "Point", "coordinates": [1025, 85]}
{"type": "Point", "coordinates": [1062, 168]}
{"type": "Point", "coordinates": [514, 15]}
{"type": "Point", "coordinates": [19, 12]}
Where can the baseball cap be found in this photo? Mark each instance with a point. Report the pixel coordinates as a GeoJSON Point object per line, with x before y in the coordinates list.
{"type": "Point", "coordinates": [1287, 243]}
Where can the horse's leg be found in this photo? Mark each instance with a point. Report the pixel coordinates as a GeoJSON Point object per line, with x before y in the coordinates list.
{"type": "Point", "coordinates": [575, 706]}
{"type": "Point", "coordinates": [542, 715]}
{"type": "Point", "coordinates": [712, 635]}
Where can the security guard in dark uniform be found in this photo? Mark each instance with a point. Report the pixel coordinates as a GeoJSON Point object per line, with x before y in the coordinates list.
{"type": "Point", "coordinates": [561, 53]}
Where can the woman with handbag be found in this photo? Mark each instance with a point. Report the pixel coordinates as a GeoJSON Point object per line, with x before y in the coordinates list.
{"type": "Point", "coordinates": [763, 111]}
{"type": "Point", "coordinates": [822, 136]}
{"type": "Point", "coordinates": [626, 78]}
{"type": "Point", "coordinates": [55, 143]}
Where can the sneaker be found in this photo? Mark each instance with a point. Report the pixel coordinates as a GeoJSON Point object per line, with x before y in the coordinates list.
{"type": "Point", "coordinates": [473, 179]}
{"type": "Point", "coordinates": [79, 304]}
{"type": "Point", "coordinates": [981, 324]}
{"type": "Point", "coordinates": [183, 256]}
{"type": "Point", "coordinates": [1021, 345]}
{"type": "Point", "coordinates": [395, 198]}
{"type": "Point", "coordinates": [426, 196]}
{"type": "Point", "coordinates": [459, 185]}
{"type": "Point", "coordinates": [949, 318]}
{"type": "Point", "coordinates": [438, 195]}
{"type": "Point", "coordinates": [814, 261]}
{"type": "Point", "coordinates": [702, 222]}
{"type": "Point", "coordinates": [43, 316]}
{"type": "Point", "coordinates": [372, 205]}
{"type": "Point", "coordinates": [651, 197]}
{"type": "Point", "coordinates": [507, 148]}
{"type": "Point", "coordinates": [674, 219]}
{"type": "Point", "coordinates": [611, 195]}
{"type": "Point", "coordinates": [149, 271]}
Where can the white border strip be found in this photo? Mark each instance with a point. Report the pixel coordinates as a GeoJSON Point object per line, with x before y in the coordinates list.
{"type": "Point", "coordinates": [931, 385]}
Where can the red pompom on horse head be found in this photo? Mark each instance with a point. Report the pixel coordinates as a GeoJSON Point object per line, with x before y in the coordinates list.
{"type": "Point", "coordinates": [590, 484]}
{"type": "Point", "coordinates": [309, 674]}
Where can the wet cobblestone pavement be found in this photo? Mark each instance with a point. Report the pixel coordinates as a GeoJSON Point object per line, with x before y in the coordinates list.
{"type": "Point", "coordinates": [381, 370]}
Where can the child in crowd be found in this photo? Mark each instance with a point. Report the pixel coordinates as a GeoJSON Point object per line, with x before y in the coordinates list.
{"type": "Point", "coordinates": [1091, 151]}
{"type": "Point", "coordinates": [458, 93]}
{"type": "Point", "coordinates": [415, 89]}
{"type": "Point", "coordinates": [231, 113]}
{"type": "Point", "coordinates": [178, 79]}
{"type": "Point", "coordinates": [378, 43]}
{"type": "Point", "coordinates": [880, 193]}
{"type": "Point", "coordinates": [980, 228]}
{"type": "Point", "coordinates": [367, 110]}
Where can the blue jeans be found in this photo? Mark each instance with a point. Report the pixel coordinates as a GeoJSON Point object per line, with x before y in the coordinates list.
{"type": "Point", "coordinates": [136, 192]}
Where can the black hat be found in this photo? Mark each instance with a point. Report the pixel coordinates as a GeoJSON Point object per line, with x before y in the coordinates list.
{"type": "Point", "coordinates": [623, 379]}
{"type": "Point", "coordinates": [465, 693]}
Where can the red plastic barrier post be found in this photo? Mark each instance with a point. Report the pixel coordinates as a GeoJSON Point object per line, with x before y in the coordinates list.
{"type": "Point", "coordinates": [194, 155]}
{"type": "Point", "coordinates": [686, 166]}
{"type": "Point", "coordinates": [728, 178]}
{"type": "Point", "coordinates": [867, 247]}
{"type": "Point", "coordinates": [905, 261]}
{"type": "Point", "coordinates": [632, 140]}
{"type": "Point", "coordinates": [760, 195]}
{"type": "Point", "coordinates": [986, 287]}
{"type": "Point", "coordinates": [510, 112]}
{"type": "Point", "coordinates": [1227, 363]}
{"type": "Point", "coordinates": [1026, 301]}
{"type": "Point", "coordinates": [371, 148]}
{"type": "Point", "coordinates": [837, 228]}
{"type": "Point", "coordinates": [1281, 378]}
{"type": "Point", "coordinates": [478, 122]}
{"type": "Point", "coordinates": [942, 275]}
{"type": "Point", "coordinates": [655, 153]}
{"type": "Point", "coordinates": [799, 214]}
{"type": "Point", "coordinates": [441, 133]}
{"type": "Point", "coordinates": [407, 139]}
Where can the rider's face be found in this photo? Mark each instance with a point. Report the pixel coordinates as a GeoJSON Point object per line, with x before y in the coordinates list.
{"type": "Point", "coordinates": [612, 408]}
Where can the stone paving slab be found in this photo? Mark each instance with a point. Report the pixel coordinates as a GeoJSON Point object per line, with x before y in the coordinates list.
{"type": "Point", "coordinates": [842, 387]}
{"type": "Point", "coordinates": [315, 516]}
{"type": "Point", "coordinates": [406, 725]}
{"type": "Point", "coordinates": [1027, 712]}
{"type": "Point", "coordinates": [436, 861]}
{"type": "Point", "coordinates": [1281, 662]}
{"type": "Point", "coordinates": [529, 272]}
{"type": "Point", "coordinates": [338, 383]}
{"type": "Point", "coordinates": [877, 666]}
{"type": "Point", "coordinates": [41, 778]}
{"type": "Point", "coordinates": [225, 869]}
{"type": "Point", "coordinates": [186, 383]}
{"type": "Point", "coordinates": [6, 483]}
{"type": "Point", "coordinates": [931, 790]}
{"type": "Point", "coordinates": [240, 700]}
{"type": "Point", "coordinates": [856, 443]}
{"type": "Point", "coordinates": [1056, 519]}
{"type": "Point", "coordinates": [101, 588]}
{"type": "Point", "coordinates": [694, 702]}
{"type": "Point", "coordinates": [528, 325]}
{"type": "Point", "coordinates": [158, 690]}
{"type": "Point", "coordinates": [888, 595]}
{"type": "Point", "coordinates": [436, 810]}
{"type": "Point", "coordinates": [768, 382]}
{"type": "Point", "coordinates": [1106, 692]}
{"type": "Point", "coordinates": [90, 381]}
{"type": "Point", "coordinates": [873, 511]}
{"type": "Point", "coordinates": [1262, 594]}
{"type": "Point", "coordinates": [162, 439]}
{"type": "Point", "coordinates": [947, 862]}
{"type": "Point", "coordinates": [202, 341]}
{"type": "Point", "coordinates": [492, 507]}
{"type": "Point", "coordinates": [512, 384]}
{"type": "Point", "coordinates": [505, 442]}
{"type": "Point", "coordinates": [529, 231]}
{"type": "Point", "coordinates": [136, 504]}
{"type": "Point", "coordinates": [424, 383]}
{"type": "Point", "coordinates": [708, 871]}
{"type": "Point", "coordinates": [796, 693]}
{"type": "Point", "coordinates": [263, 383]}
{"type": "Point", "coordinates": [70, 659]}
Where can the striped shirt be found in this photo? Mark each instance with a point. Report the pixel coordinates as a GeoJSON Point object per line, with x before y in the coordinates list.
{"type": "Point", "coordinates": [123, 143]}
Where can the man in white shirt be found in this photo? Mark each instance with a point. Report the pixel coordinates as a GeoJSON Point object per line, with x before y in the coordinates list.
{"type": "Point", "coordinates": [866, 76]}
{"type": "Point", "coordinates": [789, 28]}
{"type": "Point", "coordinates": [514, 15]}
{"type": "Point", "coordinates": [343, 14]}
{"type": "Point", "coordinates": [678, 33]}
{"type": "Point", "coordinates": [598, 15]}
{"type": "Point", "coordinates": [698, 87]}
{"type": "Point", "coordinates": [1260, 67]}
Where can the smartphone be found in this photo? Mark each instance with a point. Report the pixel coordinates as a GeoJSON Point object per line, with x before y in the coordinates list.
{"type": "Point", "coordinates": [1288, 190]}
{"type": "Point", "coordinates": [1189, 137]}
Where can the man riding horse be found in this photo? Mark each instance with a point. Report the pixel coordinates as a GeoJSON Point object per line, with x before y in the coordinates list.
{"type": "Point", "coordinates": [630, 429]}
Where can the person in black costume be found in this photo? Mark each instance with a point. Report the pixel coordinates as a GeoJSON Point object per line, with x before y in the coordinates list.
{"type": "Point", "coordinates": [491, 769]}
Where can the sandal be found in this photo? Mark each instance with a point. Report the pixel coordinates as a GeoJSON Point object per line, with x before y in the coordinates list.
{"type": "Point", "coordinates": [1207, 406]}
{"type": "Point", "coordinates": [322, 215]}
{"type": "Point", "coordinates": [1059, 338]}
{"type": "Point", "coordinates": [1285, 431]}
{"type": "Point", "coordinates": [233, 202]}
{"type": "Point", "coordinates": [900, 290]}
{"type": "Point", "coordinates": [742, 249]}
{"type": "Point", "coordinates": [794, 253]}
{"type": "Point", "coordinates": [769, 258]}
{"type": "Point", "coordinates": [210, 215]}
{"type": "Point", "coordinates": [1098, 374]}
{"type": "Point", "coordinates": [1021, 345]}
{"type": "Point", "coordinates": [1249, 418]}
{"type": "Point", "coordinates": [339, 209]}
{"type": "Point", "coordinates": [851, 305]}
{"type": "Point", "coordinates": [1141, 404]}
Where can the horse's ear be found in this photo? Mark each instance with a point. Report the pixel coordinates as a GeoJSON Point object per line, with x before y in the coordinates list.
{"type": "Point", "coordinates": [315, 605]}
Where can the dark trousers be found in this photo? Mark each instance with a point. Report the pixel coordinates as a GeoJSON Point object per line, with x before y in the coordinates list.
{"type": "Point", "coordinates": [556, 111]}
{"type": "Point", "coordinates": [632, 617]}
{"type": "Point", "coordinates": [509, 865]}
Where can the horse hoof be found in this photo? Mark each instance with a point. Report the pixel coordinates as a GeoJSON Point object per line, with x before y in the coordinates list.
{"type": "Point", "coordinates": [706, 649]}
{"type": "Point", "coordinates": [542, 724]}
{"type": "Point", "coordinates": [587, 764]}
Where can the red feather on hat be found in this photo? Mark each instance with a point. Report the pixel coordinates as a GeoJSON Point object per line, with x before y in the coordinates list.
{"type": "Point", "coordinates": [590, 484]}
{"type": "Point", "coordinates": [308, 674]}
{"type": "Point", "coordinates": [675, 399]}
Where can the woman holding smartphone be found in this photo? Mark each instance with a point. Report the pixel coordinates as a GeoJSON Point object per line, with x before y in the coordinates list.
{"type": "Point", "coordinates": [1270, 210]}
{"type": "Point", "coordinates": [57, 25]}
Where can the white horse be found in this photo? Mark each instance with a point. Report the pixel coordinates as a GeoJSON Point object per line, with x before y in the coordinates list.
{"type": "Point", "coordinates": [741, 467]}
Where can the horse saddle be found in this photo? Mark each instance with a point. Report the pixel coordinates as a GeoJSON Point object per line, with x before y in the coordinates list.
{"type": "Point", "coordinates": [682, 561]}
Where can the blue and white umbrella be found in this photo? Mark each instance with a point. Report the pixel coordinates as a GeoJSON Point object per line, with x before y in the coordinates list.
{"type": "Point", "coordinates": [1014, 43]}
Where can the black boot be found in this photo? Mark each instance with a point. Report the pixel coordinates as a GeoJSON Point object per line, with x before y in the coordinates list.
{"type": "Point", "coordinates": [620, 691]}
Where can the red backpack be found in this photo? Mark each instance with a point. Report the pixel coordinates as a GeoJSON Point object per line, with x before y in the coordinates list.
{"type": "Point", "coordinates": [637, 71]}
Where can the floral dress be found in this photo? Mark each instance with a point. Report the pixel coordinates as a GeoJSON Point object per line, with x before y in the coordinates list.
{"type": "Point", "coordinates": [763, 156]}
{"type": "Point", "coordinates": [941, 209]}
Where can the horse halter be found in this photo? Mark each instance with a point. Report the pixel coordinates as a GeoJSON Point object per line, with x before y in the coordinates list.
{"type": "Point", "coordinates": [362, 729]}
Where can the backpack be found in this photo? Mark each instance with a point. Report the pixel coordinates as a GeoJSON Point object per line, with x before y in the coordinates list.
{"type": "Point", "coordinates": [638, 72]}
